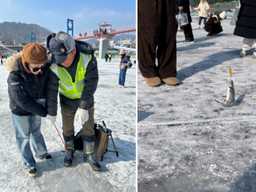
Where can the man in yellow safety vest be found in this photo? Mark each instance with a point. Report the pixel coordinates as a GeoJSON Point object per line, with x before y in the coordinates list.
{"type": "Point", "coordinates": [76, 68]}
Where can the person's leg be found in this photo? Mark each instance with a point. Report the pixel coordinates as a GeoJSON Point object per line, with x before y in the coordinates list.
{"type": "Point", "coordinates": [247, 46]}
{"type": "Point", "coordinates": [188, 32]}
{"type": "Point", "coordinates": [88, 135]}
{"type": "Point", "coordinates": [68, 115]}
{"type": "Point", "coordinates": [200, 21]}
{"type": "Point", "coordinates": [166, 52]}
{"type": "Point", "coordinates": [120, 77]}
{"type": "Point", "coordinates": [37, 139]}
{"type": "Point", "coordinates": [205, 20]}
{"type": "Point", "coordinates": [123, 74]}
{"type": "Point", "coordinates": [22, 131]}
{"type": "Point", "coordinates": [88, 132]}
{"type": "Point", "coordinates": [147, 30]}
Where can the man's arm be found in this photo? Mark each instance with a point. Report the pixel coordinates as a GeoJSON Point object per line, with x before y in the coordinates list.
{"type": "Point", "coordinates": [52, 94]}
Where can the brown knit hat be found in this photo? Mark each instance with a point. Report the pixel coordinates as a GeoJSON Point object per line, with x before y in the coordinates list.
{"type": "Point", "coordinates": [34, 53]}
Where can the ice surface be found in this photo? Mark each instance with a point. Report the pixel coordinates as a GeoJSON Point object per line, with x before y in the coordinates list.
{"type": "Point", "coordinates": [187, 141]}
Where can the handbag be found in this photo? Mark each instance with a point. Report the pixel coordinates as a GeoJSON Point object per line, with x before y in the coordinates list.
{"type": "Point", "coordinates": [182, 19]}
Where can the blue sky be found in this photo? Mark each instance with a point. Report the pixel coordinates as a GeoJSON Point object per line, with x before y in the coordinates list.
{"type": "Point", "coordinates": [52, 14]}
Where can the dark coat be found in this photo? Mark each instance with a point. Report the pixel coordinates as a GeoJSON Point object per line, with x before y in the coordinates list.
{"type": "Point", "coordinates": [125, 62]}
{"type": "Point", "coordinates": [25, 89]}
{"type": "Point", "coordinates": [246, 23]}
{"type": "Point", "coordinates": [91, 79]}
{"type": "Point", "coordinates": [186, 8]}
{"type": "Point", "coordinates": [213, 25]}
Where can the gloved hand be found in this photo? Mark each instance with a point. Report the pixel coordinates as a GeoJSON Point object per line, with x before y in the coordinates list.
{"type": "Point", "coordinates": [51, 118]}
{"type": "Point", "coordinates": [82, 115]}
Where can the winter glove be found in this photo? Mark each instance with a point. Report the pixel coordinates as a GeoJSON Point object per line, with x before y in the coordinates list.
{"type": "Point", "coordinates": [51, 118]}
{"type": "Point", "coordinates": [82, 115]}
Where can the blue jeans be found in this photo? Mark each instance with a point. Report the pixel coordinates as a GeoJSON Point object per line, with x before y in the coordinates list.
{"type": "Point", "coordinates": [122, 76]}
{"type": "Point", "coordinates": [27, 129]}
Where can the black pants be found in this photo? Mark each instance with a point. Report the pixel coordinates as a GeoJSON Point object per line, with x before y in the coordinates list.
{"type": "Point", "coordinates": [157, 38]}
{"type": "Point", "coordinates": [200, 20]}
{"type": "Point", "coordinates": [188, 32]}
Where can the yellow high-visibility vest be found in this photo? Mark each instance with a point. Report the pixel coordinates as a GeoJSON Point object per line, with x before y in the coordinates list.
{"type": "Point", "coordinates": [67, 87]}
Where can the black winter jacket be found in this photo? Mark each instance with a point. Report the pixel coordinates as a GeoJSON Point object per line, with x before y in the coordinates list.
{"type": "Point", "coordinates": [25, 90]}
{"type": "Point", "coordinates": [246, 23]}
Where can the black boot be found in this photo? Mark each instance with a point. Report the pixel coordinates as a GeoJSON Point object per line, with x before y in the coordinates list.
{"type": "Point", "coordinates": [93, 163]}
{"type": "Point", "coordinates": [69, 153]}
{"type": "Point", "coordinates": [32, 172]}
{"type": "Point", "coordinates": [89, 156]}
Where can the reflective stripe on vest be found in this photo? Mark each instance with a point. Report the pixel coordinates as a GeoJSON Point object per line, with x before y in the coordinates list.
{"type": "Point", "coordinates": [68, 88]}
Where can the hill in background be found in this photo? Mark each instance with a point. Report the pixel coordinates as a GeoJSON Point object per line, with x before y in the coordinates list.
{"type": "Point", "coordinates": [18, 33]}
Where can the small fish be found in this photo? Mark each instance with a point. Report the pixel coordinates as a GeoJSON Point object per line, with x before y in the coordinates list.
{"type": "Point", "coordinates": [230, 96]}
{"type": "Point", "coordinates": [230, 99]}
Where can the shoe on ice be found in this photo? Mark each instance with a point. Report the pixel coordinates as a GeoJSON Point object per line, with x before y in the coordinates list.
{"type": "Point", "coordinates": [189, 40]}
{"type": "Point", "coordinates": [93, 163]}
{"type": "Point", "coordinates": [254, 54]}
{"type": "Point", "coordinates": [172, 81]}
{"type": "Point", "coordinates": [89, 155]}
{"type": "Point", "coordinates": [32, 172]}
{"type": "Point", "coordinates": [243, 53]}
{"type": "Point", "coordinates": [153, 81]}
{"type": "Point", "coordinates": [69, 151]}
{"type": "Point", "coordinates": [45, 156]}
{"type": "Point", "coordinates": [68, 158]}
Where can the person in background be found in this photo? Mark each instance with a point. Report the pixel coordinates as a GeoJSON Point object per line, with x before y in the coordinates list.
{"type": "Point", "coordinates": [31, 88]}
{"type": "Point", "coordinates": [203, 11]}
{"type": "Point", "coordinates": [106, 57]}
{"type": "Point", "coordinates": [109, 57]}
{"type": "Point", "coordinates": [213, 25]}
{"type": "Point", "coordinates": [184, 6]}
{"type": "Point", "coordinates": [125, 63]}
{"type": "Point", "coordinates": [246, 26]}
